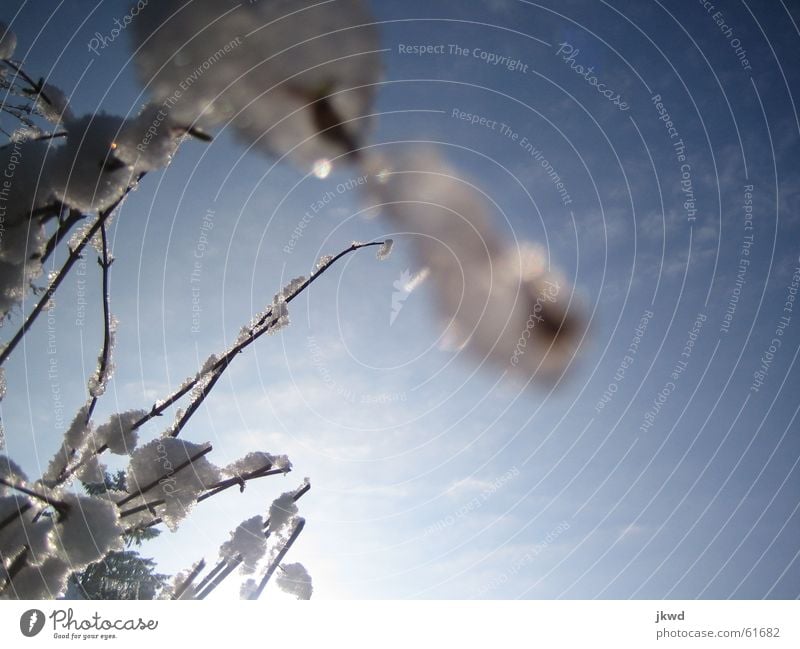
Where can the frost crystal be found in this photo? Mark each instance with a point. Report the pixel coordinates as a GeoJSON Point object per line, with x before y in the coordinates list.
{"type": "Point", "coordinates": [248, 542]}
{"type": "Point", "coordinates": [157, 464]}
{"type": "Point", "coordinates": [280, 315]}
{"type": "Point", "coordinates": [282, 511]}
{"type": "Point", "coordinates": [295, 580]}
{"type": "Point", "coordinates": [291, 288]}
{"type": "Point", "coordinates": [385, 250]}
{"type": "Point", "coordinates": [102, 375]}
{"type": "Point", "coordinates": [211, 361]}
{"type": "Point", "coordinates": [324, 261]}
{"type": "Point", "coordinates": [118, 433]}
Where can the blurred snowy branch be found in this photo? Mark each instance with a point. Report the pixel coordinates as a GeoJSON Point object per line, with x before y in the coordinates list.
{"type": "Point", "coordinates": [295, 79]}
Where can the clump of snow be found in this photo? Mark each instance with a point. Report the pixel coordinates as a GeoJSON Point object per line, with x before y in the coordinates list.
{"type": "Point", "coordinates": [250, 463]}
{"type": "Point", "coordinates": [499, 300]}
{"type": "Point", "coordinates": [291, 76]}
{"type": "Point", "coordinates": [158, 462]}
{"type": "Point", "coordinates": [26, 132]}
{"type": "Point", "coordinates": [23, 529]}
{"type": "Point", "coordinates": [247, 542]}
{"type": "Point", "coordinates": [27, 189]}
{"type": "Point", "coordinates": [179, 583]}
{"type": "Point", "coordinates": [282, 511]}
{"type": "Point", "coordinates": [295, 580]}
{"type": "Point", "coordinates": [53, 104]}
{"type": "Point", "coordinates": [118, 433]}
{"type": "Point", "coordinates": [27, 181]}
{"type": "Point", "coordinates": [282, 462]}
{"type": "Point", "coordinates": [87, 531]}
{"type": "Point", "coordinates": [248, 589]}
{"type": "Point", "coordinates": [86, 173]}
{"type": "Point", "coordinates": [8, 42]}
{"type": "Point", "coordinates": [11, 472]}
{"type": "Point", "coordinates": [46, 581]}
{"type": "Point", "coordinates": [149, 140]}
{"type": "Point", "coordinates": [91, 470]}
{"type": "Point", "coordinates": [58, 464]}
{"type": "Point", "coordinates": [385, 250]}
{"type": "Point", "coordinates": [78, 430]}
{"type": "Point", "coordinates": [78, 443]}
{"type": "Point", "coordinates": [23, 243]}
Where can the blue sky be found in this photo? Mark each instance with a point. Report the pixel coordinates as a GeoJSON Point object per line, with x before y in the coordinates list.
{"type": "Point", "coordinates": [432, 477]}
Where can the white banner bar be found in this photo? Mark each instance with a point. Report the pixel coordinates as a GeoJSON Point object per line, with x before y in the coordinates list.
{"type": "Point", "coordinates": [400, 625]}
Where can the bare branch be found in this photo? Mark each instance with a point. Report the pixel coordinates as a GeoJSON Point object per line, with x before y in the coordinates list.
{"type": "Point", "coordinates": [16, 565]}
{"type": "Point", "coordinates": [15, 515]}
{"type": "Point", "coordinates": [226, 566]}
{"type": "Point", "coordinates": [62, 274]}
{"type": "Point", "coordinates": [180, 590]}
{"type": "Point", "coordinates": [143, 490]}
{"type": "Point", "coordinates": [213, 490]}
{"type": "Point", "coordinates": [64, 227]}
{"type": "Point", "coordinates": [105, 263]}
{"type": "Point", "coordinates": [301, 523]}
{"type": "Point", "coordinates": [261, 327]}
{"type": "Point", "coordinates": [58, 505]}
{"type": "Point", "coordinates": [256, 331]}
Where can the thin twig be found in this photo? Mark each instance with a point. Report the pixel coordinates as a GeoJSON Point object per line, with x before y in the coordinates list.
{"type": "Point", "coordinates": [15, 515]}
{"type": "Point", "coordinates": [58, 505]}
{"type": "Point", "coordinates": [37, 87]}
{"type": "Point", "coordinates": [239, 481]}
{"type": "Point", "coordinates": [105, 263]}
{"type": "Point", "coordinates": [223, 362]}
{"type": "Point", "coordinates": [256, 331]}
{"type": "Point", "coordinates": [301, 523]}
{"type": "Point", "coordinates": [189, 579]}
{"type": "Point", "coordinates": [16, 566]}
{"type": "Point", "coordinates": [226, 566]}
{"type": "Point", "coordinates": [212, 490]}
{"type": "Point", "coordinates": [62, 274]}
{"type": "Point", "coordinates": [213, 573]}
{"type": "Point", "coordinates": [63, 229]}
{"type": "Point", "coordinates": [151, 485]}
